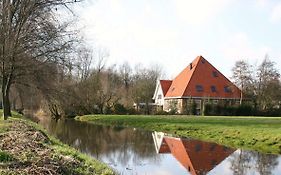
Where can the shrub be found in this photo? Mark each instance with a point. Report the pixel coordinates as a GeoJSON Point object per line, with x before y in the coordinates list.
{"type": "Point", "coordinates": [5, 157]}
{"type": "Point", "coordinates": [161, 112]}
{"type": "Point", "coordinates": [120, 109]}
{"type": "Point", "coordinates": [244, 110]}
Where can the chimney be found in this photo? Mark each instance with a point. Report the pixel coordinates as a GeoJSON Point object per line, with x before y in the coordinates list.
{"type": "Point", "coordinates": [190, 66]}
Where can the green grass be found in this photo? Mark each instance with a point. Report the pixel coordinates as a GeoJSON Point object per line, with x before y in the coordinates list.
{"type": "Point", "coordinates": [5, 157]}
{"type": "Point", "coordinates": [88, 164]}
{"type": "Point", "coordinates": [255, 133]}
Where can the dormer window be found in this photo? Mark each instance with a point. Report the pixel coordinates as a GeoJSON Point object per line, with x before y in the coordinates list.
{"type": "Point", "coordinates": [227, 89]}
{"type": "Point", "coordinates": [199, 88]}
{"type": "Point", "coordinates": [213, 89]}
{"type": "Point", "coordinates": [215, 74]}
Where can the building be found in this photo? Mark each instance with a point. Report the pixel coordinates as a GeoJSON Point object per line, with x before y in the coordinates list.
{"type": "Point", "coordinates": [195, 156]}
{"type": "Point", "coordinates": [198, 83]}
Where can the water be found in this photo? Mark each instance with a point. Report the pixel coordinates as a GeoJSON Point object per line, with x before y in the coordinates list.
{"type": "Point", "coordinates": [138, 152]}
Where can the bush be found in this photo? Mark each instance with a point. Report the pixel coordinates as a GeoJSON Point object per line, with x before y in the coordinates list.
{"type": "Point", "coordinates": [120, 109]}
{"type": "Point", "coordinates": [219, 110]}
{"type": "Point", "coordinates": [5, 157]}
{"type": "Point", "coordinates": [245, 110]}
{"type": "Point", "coordinates": [209, 109]}
{"type": "Point", "coordinates": [273, 112]}
{"type": "Point", "coordinates": [161, 112]}
{"type": "Point", "coordinates": [132, 111]}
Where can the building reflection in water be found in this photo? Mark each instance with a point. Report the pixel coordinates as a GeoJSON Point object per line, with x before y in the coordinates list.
{"type": "Point", "coordinates": [196, 156]}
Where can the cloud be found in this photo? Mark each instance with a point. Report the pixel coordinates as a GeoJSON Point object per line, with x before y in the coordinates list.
{"type": "Point", "coordinates": [170, 32]}
{"type": "Point", "coordinates": [239, 46]}
{"type": "Point", "coordinates": [262, 3]}
{"type": "Point", "coordinates": [276, 13]}
{"type": "Point", "coordinates": [199, 11]}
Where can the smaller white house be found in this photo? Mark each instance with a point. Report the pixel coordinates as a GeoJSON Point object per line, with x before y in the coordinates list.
{"type": "Point", "coordinates": [162, 88]}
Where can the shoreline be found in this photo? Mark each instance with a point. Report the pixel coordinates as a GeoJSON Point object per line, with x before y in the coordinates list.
{"type": "Point", "coordinates": [261, 134]}
{"type": "Point", "coordinates": [26, 148]}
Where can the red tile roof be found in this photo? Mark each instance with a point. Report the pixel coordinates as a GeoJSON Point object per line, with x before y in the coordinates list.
{"type": "Point", "coordinates": [201, 73]}
{"type": "Point", "coordinates": [165, 85]}
{"type": "Point", "coordinates": [196, 156]}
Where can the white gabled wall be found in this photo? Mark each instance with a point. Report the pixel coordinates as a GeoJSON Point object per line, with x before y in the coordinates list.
{"type": "Point", "coordinates": [157, 94]}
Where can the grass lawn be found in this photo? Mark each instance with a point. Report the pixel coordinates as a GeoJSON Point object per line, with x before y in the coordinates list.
{"type": "Point", "coordinates": [255, 133]}
{"type": "Point", "coordinates": [25, 148]}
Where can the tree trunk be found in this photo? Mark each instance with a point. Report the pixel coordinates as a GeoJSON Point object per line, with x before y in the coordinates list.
{"type": "Point", "coordinates": [6, 106]}
{"type": "Point", "coordinates": [241, 95]}
{"type": "Point", "coordinates": [5, 98]}
{"type": "Point", "coordinates": [241, 98]}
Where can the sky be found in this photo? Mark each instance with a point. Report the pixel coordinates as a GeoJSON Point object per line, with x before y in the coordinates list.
{"type": "Point", "coordinates": [172, 33]}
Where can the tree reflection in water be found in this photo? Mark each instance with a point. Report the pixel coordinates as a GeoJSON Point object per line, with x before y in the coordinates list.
{"type": "Point", "coordinates": [251, 162]}
{"type": "Point", "coordinates": [129, 148]}
{"type": "Point", "coordinates": [117, 145]}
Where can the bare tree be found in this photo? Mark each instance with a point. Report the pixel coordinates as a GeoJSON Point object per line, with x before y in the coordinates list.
{"type": "Point", "coordinates": [101, 56]}
{"type": "Point", "coordinates": [84, 62]}
{"type": "Point", "coordinates": [267, 77]}
{"type": "Point", "coordinates": [242, 76]}
{"type": "Point", "coordinates": [125, 72]}
{"type": "Point", "coordinates": [30, 36]}
{"type": "Point", "coordinates": [144, 82]}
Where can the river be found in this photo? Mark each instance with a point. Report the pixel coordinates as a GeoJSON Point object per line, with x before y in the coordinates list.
{"type": "Point", "coordinates": [138, 152]}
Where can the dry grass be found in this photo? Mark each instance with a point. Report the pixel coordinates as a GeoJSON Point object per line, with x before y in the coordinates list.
{"type": "Point", "coordinates": [25, 149]}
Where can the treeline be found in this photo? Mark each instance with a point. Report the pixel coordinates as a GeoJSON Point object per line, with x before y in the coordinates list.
{"type": "Point", "coordinates": [103, 90]}
{"type": "Point", "coordinates": [261, 91]}
{"type": "Point", "coordinates": [34, 43]}
{"type": "Point", "coordinates": [45, 64]}
{"type": "Point", "coordinates": [260, 85]}
{"type": "Point", "coordinates": [88, 86]}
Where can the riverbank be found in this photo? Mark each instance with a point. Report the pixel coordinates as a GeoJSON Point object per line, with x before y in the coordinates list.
{"type": "Point", "coordinates": [25, 148]}
{"type": "Point", "coordinates": [262, 134]}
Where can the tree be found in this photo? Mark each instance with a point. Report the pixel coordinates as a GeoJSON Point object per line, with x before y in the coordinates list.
{"type": "Point", "coordinates": [267, 78]}
{"type": "Point", "coordinates": [265, 163]}
{"type": "Point", "coordinates": [30, 36]}
{"type": "Point", "coordinates": [242, 76]}
{"type": "Point", "coordinates": [144, 83]}
{"type": "Point", "coordinates": [125, 72]}
{"type": "Point", "coordinates": [83, 62]}
{"type": "Point", "coordinates": [241, 162]}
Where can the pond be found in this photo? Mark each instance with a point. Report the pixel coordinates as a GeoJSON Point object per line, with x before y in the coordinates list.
{"type": "Point", "coordinates": [140, 152]}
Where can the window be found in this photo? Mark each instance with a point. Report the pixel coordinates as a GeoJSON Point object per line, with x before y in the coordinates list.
{"type": "Point", "coordinates": [215, 102]}
{"type": "Point", "coordinates": [215, 74]}
{"type": "Point", "coordinates": [159, 96]}
{"type": "Point", "coordinates": [212, 147]}
{"type": "Point", "coordinates": [198, 148]}
{"type": "Point", "coordinates": [199, 88]}
{"type": "Point", "coordinates": [227, 89]}
{"type": "Point", "coordinates": [213, 89]}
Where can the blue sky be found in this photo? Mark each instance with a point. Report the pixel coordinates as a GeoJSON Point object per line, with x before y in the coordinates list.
{"type": "Point", "coordinates": [172, 33]}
